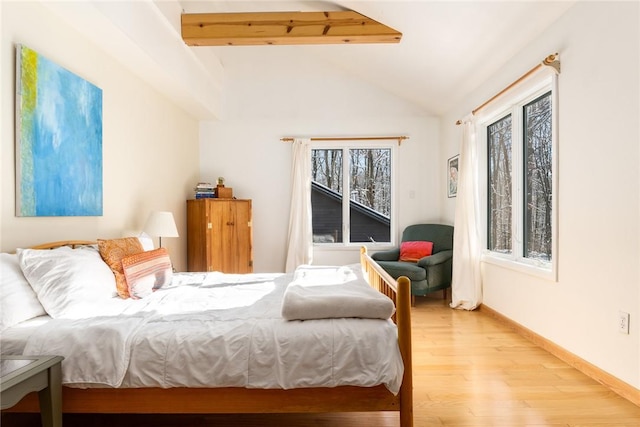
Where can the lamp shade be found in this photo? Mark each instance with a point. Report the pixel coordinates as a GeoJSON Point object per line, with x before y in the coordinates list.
{"type": "Point", "coordinates": [161, 224]}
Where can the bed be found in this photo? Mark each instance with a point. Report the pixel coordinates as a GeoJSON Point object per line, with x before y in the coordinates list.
{"type": "Point", "coordinates": [138, 398]}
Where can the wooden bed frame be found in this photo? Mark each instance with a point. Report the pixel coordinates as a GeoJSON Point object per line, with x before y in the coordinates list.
{"type": "Point", "coordinates": [242, 400]}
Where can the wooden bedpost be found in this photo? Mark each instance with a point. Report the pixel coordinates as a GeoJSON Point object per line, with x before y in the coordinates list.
{"type": "Point", "coordinates": [403, 320]}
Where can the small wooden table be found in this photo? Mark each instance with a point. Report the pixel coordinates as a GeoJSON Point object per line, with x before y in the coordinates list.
{"type": "Point", "coordinates": [21, 375]}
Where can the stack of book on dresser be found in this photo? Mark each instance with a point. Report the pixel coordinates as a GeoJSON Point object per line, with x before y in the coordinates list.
{"type": "Point", "coordinates": [205, 190]}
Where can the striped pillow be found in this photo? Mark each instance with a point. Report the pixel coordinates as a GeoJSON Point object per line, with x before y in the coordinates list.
{"type": "Point", "coordinates": [147, 271]}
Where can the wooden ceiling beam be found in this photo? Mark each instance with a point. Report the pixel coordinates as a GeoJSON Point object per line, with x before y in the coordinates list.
{"type": "Point", "coordinates": [284, 28]}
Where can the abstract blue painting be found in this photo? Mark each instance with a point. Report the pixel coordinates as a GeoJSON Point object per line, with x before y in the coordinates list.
{"type": "Point", "coordinates": [58, 140]}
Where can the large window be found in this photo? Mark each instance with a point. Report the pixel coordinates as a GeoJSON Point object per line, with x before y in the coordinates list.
{"type": "Point", "coordinates": [364, 176]}
{"type": "Point", "coordinates": [520, 146]}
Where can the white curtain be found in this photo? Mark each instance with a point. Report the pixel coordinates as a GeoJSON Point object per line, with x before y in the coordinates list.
{"type": "Point", "coordinates": [300, 239]}
{"type": "Point", "coordinates": [466, 283]}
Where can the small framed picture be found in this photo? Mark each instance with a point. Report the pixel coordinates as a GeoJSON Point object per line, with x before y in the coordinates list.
{"type": "Point", "coordinates": [452, 176]}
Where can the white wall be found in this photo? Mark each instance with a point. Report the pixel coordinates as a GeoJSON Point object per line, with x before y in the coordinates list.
{"type": "Point", "coordinates": [150, 147]}
{"type": "Point", "coordinates": [599, 189]}
{"type": "Point", "coordinates": [304, 97]}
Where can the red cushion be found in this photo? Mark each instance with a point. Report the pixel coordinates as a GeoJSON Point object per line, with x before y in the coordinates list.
{"type": "Point", "coordinates": [413, 251]}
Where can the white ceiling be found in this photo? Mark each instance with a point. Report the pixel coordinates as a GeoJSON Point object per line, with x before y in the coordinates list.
{"type": "Point", "coordinates": [448, 47]}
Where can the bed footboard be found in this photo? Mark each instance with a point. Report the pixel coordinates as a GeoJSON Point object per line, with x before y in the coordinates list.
{"type": "Point", "coordinates": [400, 292]}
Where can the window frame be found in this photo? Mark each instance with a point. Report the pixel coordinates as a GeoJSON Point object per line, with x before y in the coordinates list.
{"type": "Point", "coordinates": [514, 104]}
{"type": "Point", "coordinates": [346, 145]}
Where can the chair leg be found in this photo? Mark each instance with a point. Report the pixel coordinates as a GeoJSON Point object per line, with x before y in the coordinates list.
{"type": "Point", "coordinates": [444, 293]}
{"type": "Point", "coordinates": [413, 300]}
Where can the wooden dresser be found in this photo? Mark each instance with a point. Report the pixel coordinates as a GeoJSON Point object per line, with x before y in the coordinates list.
{"type": "Point", "coordinates": [219, 235]}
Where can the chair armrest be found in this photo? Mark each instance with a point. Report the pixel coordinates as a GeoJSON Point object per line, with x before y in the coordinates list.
{"type": "Point", "coordinates": [437, 258]}
{"type": "Point", "coordinates": [389, 255]}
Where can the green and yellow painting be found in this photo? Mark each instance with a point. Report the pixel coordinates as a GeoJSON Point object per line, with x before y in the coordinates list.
{"type": "Point", "coordinates": [58, 140]}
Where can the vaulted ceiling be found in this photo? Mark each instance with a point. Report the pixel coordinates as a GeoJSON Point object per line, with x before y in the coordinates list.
{"type": "Point", "coordinates": [448, 48]}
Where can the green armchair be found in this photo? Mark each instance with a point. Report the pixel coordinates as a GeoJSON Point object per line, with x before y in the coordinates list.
{"type": "Point", "coordinates": [430, 273]}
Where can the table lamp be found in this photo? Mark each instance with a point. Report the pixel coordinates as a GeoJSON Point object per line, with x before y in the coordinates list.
{"type": "Point", "coordinates": [161, 224]}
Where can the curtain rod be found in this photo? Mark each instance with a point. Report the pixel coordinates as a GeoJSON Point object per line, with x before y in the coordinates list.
{"type": "Point", "coordinates": [353, 138]}
{"type": "Point", "coordinates": [550, 61]}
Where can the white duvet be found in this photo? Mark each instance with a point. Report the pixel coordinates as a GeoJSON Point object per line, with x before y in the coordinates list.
{"type": "Point", "coordinates": [220, 330]}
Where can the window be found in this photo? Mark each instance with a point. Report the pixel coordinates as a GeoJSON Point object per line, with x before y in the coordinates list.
{"type": "Point", "coordinates": [365, 175]}
{"type": "Point", "coordinates": [500, 200]}
{"type": "Point", "coordinates": [520, 170]}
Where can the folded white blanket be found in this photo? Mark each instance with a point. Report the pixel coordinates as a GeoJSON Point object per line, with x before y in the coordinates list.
{"type": "Point", "coordinates": [319, 292]}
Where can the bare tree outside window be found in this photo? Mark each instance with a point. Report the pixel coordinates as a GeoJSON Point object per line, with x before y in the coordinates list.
{"type": "Point", "coordinates": [500, 186]}
{"type": "Point", "coordinates": [538, 180]}
{"type": "Point", "coordinates": [326, 168]}
{"type": "Point", "coordinates": [371, 178]}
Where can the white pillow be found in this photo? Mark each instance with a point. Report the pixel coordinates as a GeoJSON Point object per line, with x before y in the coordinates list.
{"type": "Point", "coordinates": [146, 241]}
{"type": "Point", "coordinates": [70, 283]}
{"type": "Point", "coordinates": [18, 302]}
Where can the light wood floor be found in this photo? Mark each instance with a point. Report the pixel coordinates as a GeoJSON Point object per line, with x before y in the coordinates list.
{"type": "Point", "coordinates": [469, 370]}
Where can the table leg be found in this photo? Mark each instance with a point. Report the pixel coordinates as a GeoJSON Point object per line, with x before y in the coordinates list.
{"type": "Point", "coordinates": [51, 398]}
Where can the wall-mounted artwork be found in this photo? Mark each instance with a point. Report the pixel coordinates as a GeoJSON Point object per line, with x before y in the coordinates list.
{"type": "Point", "coordinates": [58, 140]}
{"type": "Point", "coordinates": [452, 176]}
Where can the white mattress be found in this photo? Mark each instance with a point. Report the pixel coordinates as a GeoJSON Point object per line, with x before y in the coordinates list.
{"type": "Point", "coordinates": [215, 330]}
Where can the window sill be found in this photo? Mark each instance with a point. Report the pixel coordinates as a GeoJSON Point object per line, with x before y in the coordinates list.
{"type": "Point", "coordinates": [520, 267]}
{"type": "Point", "coordinates": [375, 247]}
